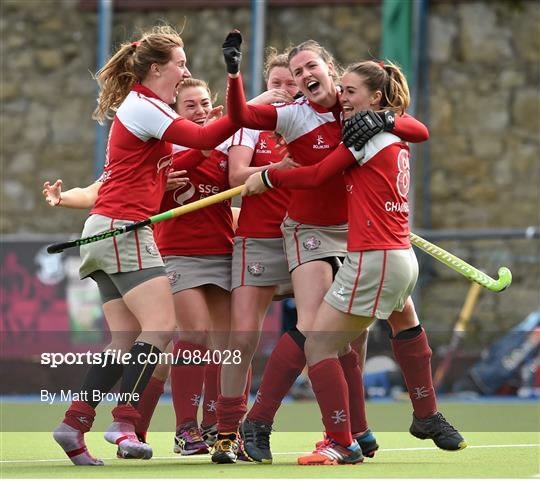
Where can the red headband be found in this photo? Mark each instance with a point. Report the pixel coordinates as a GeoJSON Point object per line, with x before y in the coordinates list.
{"type": "Point", "coordinates": [136, 43]}
{"type": "Point", "coordinates": [381, 63]}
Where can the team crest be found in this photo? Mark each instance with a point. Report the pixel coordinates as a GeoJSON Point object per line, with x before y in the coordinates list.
{"type": "Point", "coordinates": [173, 277]}
{"type": "Point", "coordinates": [256, 269]}
{"type": "Point", "coordinates": [311, 243]}
{"type": "Point", "coordinates": [223, 165]}
{"type": "Point", "coordinates": [152, 249]}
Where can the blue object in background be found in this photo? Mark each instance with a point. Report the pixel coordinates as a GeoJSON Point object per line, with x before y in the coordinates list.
{"type": "Point", "coordinates": [505, 360]}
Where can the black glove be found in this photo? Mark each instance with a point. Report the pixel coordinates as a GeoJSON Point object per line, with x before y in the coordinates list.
{"type": "Point", "coordinates": [231, 51]}
{"type": "Point", "coordinates": [364, 125]}
{"type": "Point", "coordinates": [389, 119]}
{"type": "Point", "coordinates": [361, 127]}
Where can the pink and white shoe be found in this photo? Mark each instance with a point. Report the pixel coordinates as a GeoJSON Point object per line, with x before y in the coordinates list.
{"type": "Point", "coordinates": [129, 446]}
{"type": "Point", "coordinates": [71, 440]}
{"type": "Point", "coordinates": [329, 452]}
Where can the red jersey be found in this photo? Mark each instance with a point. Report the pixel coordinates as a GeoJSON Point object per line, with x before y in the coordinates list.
{"type": "Point", "coordinates": [139, 152]}
{"type": "Point", "coordinates": [377, 182]}
{"type": "Point", "coordinates": [207, 231]}
{"type": "Point", "coordinates": [261, 215]}
{"type": "Point", "coordinates": [137, 159]}
{"type": "Point", "coordinates": [312, 132]}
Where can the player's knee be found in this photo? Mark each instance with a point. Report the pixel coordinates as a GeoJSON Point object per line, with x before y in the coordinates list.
{"type": "Point", "coordinates": [317, 348]}
{"type": "Point", "coordinates": [161, 334]}
{"type": "Point", "coordinates": [246, 343]}
{"type": "Point", "coordinates": [401, 321]}
{"type": "Point", "coordinates": [199, 337]}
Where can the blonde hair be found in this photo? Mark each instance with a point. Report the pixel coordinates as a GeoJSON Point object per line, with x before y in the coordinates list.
{"type": "Point", "coordinates": [131, 64]}
{"type": "Point", "coordinates": [315, 47]}
{"type": "Point", "coordinates": [274, 59]}
{"type": "Point", "coordinates": [195, 82]}
{"type": "Point", "coordinates": [389, 79]}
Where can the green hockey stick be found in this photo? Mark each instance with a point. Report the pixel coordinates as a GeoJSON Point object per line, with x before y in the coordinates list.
{"type": "Point", "coordinates": [459, 265]}
{"type": "Point", "coordinates": [450, 260]}
{"type": "Point", "coordinates": [184, 209]}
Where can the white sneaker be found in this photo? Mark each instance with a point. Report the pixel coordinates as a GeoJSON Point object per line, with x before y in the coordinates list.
{"type": "Point", "coordinates": [71, 440]}
{"type": "Point", "coordinates": [123, 435]}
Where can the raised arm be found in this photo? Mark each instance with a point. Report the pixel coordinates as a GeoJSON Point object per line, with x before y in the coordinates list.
{"type": "Point", "coordinates": [189, 134]}
{"type": "Point", "coordinates": [409, 129]}
{"type": "Point", "coordinates": [363, 125]}
{"type": "Point", "coordinates": [261, 117]}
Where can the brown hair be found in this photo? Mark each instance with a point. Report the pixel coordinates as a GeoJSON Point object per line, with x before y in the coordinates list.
{"type": "Point", "coordinates": [274, 59]}
{"type": "Point", "coordinates": [195, 82]}
{"type": "Point", "coordinates": [389, 79]}
{"type": "Point", "coordinates": [131, 64]}
{"type": "Point", "coordinates": [315, 47]}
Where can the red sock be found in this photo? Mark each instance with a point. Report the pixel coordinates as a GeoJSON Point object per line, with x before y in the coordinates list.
{"type": "Point", "coordinates": [126, 413]}
{"type": "Point", "coordinates": [414, 359]}
{"type": "Point", "coordinates": [211, 393]}
{"type": "Point", "coordinates": [186, 383]}
{"type": "Point", "coordinates": [80, 415]}
{"type": "Point", "coordinates": [230, 410]}
{"type": "Point", "coordinates": [284, 366]}
{"type": "Point", "coordinates": [357, 402]}
{"type": "Point", "coordinates": [147, 405]}
{"type": "Point", "coordinates": [330, 388]}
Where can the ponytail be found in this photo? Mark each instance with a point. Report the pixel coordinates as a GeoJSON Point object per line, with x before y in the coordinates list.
{"type": "Point", "coordinates": [131, 64]}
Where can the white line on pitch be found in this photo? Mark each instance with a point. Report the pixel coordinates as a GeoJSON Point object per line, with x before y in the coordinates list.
{"type": "Point", "coordinates": [186, 458]}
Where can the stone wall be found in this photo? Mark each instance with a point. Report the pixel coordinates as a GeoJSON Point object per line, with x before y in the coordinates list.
{"type": "Point", "coordinates": [483, 115]}
{"type": "Point", "coordinates": [484, 119]}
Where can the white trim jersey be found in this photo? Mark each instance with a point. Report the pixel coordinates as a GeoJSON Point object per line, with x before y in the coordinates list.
{"type": "Point", "coordinates": [261, 215]}
{"type": "Point", "coordinates": [137, 160]}
{"type": "Point", "coordinates": [377, 180]}
{"type": "Point", "coordinates": [312, 132]}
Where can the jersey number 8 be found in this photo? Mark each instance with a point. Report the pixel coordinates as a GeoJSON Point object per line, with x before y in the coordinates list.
{"type": "Point", "coordinates": [404, 175]}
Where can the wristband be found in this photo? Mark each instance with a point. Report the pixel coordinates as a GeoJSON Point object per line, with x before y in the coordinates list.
{"type": "Point", "coordinates": [265, 179]}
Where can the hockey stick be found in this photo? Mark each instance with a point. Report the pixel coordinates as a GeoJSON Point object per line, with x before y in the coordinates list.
{"type": "Point", "coordinates": [450, 260]}
{"type": "Point", "coordinates": [459, 265]}
{"type": "Point", "coordinates": [459, 331]}
{"type": "Point", "coordinates": [184, 209]}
